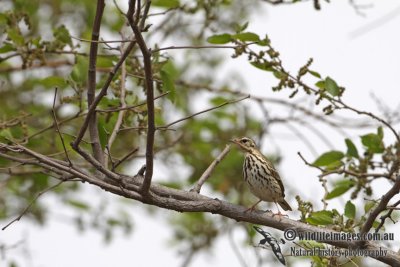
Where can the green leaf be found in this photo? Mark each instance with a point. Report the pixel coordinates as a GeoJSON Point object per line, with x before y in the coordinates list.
{"type": "Point", "coordinates": [168, 85]}
{"type": "Point", "coordinates": [262, 66]}
{"type": "Point", "coordinates": [337, 191]}
{"type": "Point", "coordinates": [15, 36]}
{"type": "Point", "coordinates": [368, 206]}
{"type": "Point", "coordinates": [3, 19]}
{"type": "Point", "coordinates": [323, 217]}
{"type": "Point", "coordinates": [328, 158]}
{"type": "Point", "coordinates": [78, 204]}
{"type": "Point", "coordinates": [380, 132]}
{"type": "Point", "coordinates": [331, 86]}
{"type": "Point", "coordinates": [350, 210]}
{"type": "Point", "coordinates": [166, 3]}
{"type": "Point", "coordinates": [218, 100]}
{"type": "Point", "coordinates": [102, 129]}
{"type": "Point", "coordinates": [240, 28]}
{"type": "Point", "coordinates": [351, 149]}
{"type": "Point", "coordinates": [279, 74]}
{"type": "Point", "coordinates": [168, 74]}
{"type": "Point", "coordinates": [246, 37]}
{"type": "Point", "coordinates": [219, 39]}
{"type": "Point", "coordinates": [373, 142]}
{"type": "Point", "coordinates": [54, 81]}
{"type": "Point", "coordinates": [80, 69]}
{"type": "Point", "coordinates": [62, 34]}
{"type": "Point", "coordinates": [6, 48]}
{"type": "Point", "coordinates": [375, 225]}
{"type": "Point", "coordinates": [105, 62]}
{"type": "Point", "coordinates": [320, 84]}
{"type": "Point", "coordinates": [6, 135]}
{"type": "Point", "coordinates": [340, 188]}
{"type": "Point", "coordinates": [315, 74]}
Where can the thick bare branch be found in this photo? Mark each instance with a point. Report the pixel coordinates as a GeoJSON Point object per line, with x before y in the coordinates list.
{"type": "Point", "coordinates": [151, 128]}
{"type": "Point", "coordinates": [184, 201]}
{"type": "Point", "coordinates": [91, 87]}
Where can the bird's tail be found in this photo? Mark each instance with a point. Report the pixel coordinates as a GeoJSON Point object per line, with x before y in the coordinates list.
{"type": "Point", "coordinates": [284, 205]}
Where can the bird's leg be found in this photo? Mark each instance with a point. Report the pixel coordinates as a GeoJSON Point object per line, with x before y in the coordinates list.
{"type": "Point", "coordinates": [279, 214]}
{"type": "Point", "coordinates": [252, 207]}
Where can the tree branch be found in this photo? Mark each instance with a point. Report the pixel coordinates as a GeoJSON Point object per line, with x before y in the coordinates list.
{"type": "Point", "coordinates": [91, 87]}
{"type": "Point", "coordinates": [201, 112]}
{"type": "Point", "coordinates": [149, 96]}
{"type": "Point", "coordinates": [58, 128]}
{"type": "Point", "coordinates": [381, 206]}
{"type": "Point", "coordinates": [210, 169]}
{"type": "Point", "coordinates": [184, 201]}
{"type": "Point", "coordinates": [387, 215]}
{"type": "Point", "coordinates": [103, 91]}
{"type": "Point", "coordinates": [30, 204]}
{"type": "Point", "coordinates": [121, 113]}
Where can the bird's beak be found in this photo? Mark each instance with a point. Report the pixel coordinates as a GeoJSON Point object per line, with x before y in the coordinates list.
{"type": "Point", "coordinates": [234, 140]}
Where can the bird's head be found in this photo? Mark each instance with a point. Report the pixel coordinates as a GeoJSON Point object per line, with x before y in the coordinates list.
{"type": "Point", "coordinates": [246, 144]}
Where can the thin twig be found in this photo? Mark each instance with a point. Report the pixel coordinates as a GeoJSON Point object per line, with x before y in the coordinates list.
{"type": "Point", "coordinates": [371, 115]}
{"type": "Point", "coordinates": [49, 64]}
{"type": "Point", "coordinates": [101, 42]}
{"type": "Point", "coordinates": [59, 123]}
{"type": "Point", "coordinates": [339, 104]}
{"type": "Point", "coordinates": [109, 158]}
{"type": "Point", "coordinates": [145, 15]}
{"type": "Point", "coordinates": [381, 206]}
{"type": "Point", "coordinates": [138, 10]}
{"type": "Point", "coordinates": [127, 156]}
{"type": "Point", "coordinates": [207, 173]}
{"type": "Point", "coordinates": [103, 91]}
{"type": "Point", "coordinates": [89, 158]}
{"type": "Point", "coordinates": [58, 128]}
{"type": "Point", "coordinates": [201, 112]}
{"type": "Point", "coordinates": [84, 114]}
{"type": "Point", "coordinates": [121, 113]}
{"type": "Point", "coordinates": [343, 122]}
{"type": "Point", "coordinates": [129, 107]}
{"type": "Point", "coordinates": [197, 47]}
{"type": "Point", "coordinates": [387, 215]}
{"type": "Point", "coordinates": [30, 204]}
{"type": "Point", "coordinates": [309, 164]}
{"type": "Point", "coordinates": [321, 179]}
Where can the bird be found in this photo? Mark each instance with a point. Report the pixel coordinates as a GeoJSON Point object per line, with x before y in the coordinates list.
{"type": "Point", "coordinates": [261, 176]}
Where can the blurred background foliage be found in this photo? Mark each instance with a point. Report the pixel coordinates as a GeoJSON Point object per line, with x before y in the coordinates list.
{"type": "Point", "coordinates": [43, 47]}
{"type": "Point", "coordinates": [40, 51]}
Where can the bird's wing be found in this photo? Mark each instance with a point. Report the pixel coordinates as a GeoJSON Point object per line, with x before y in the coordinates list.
{"type": "Point", "coordinates": [275, 174]}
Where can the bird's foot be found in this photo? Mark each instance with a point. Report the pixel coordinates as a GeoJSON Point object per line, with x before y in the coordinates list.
{"type": "Point", "coordinates": [280, 215]}
{"type": "Point", "coordinates": [251, 209]}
